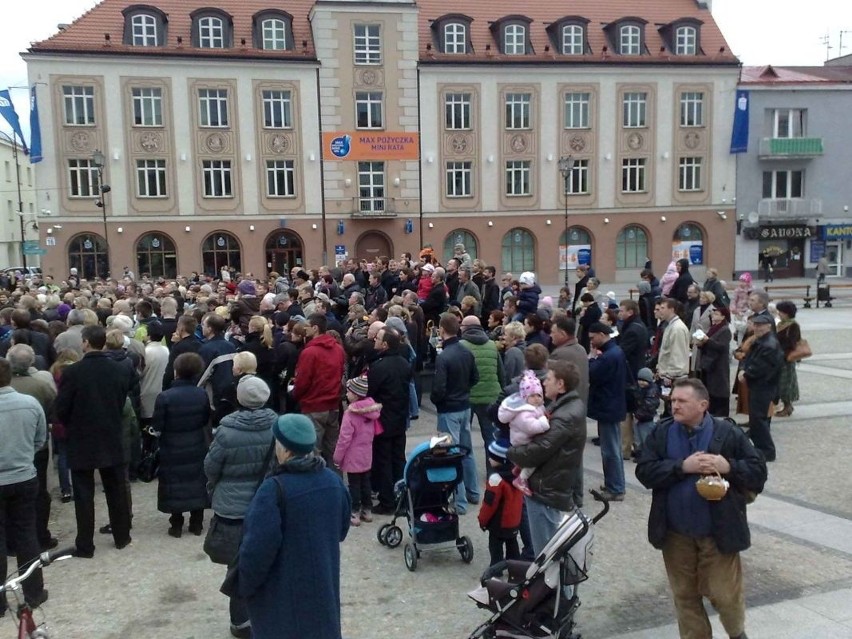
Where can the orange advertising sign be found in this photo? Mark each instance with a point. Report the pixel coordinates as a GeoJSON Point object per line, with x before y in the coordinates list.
{"type": "Point", "coordinates": [369, 145]}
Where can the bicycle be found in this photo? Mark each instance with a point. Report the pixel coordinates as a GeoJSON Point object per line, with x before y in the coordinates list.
{"type": "Point", "coordinates": [27, 628]}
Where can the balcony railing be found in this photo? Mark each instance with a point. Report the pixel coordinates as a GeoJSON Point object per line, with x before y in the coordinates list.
{"type": "Point", "coordinates": [373, 207]}
{"type": "Point", "coordinates": [787, 148]}
{"type": "Point", "coordinates": [784, 208]}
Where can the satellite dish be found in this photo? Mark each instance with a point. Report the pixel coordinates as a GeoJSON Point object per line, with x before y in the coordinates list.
{"type": "Point", "coordinates": [753, 217]}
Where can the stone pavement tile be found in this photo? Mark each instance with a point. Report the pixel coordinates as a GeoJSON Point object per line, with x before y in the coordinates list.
{"type": "Point", "coordinates": [836, 605]}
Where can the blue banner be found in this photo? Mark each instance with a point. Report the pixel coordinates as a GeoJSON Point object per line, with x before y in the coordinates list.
{"type": "Point", "coordinates": [35, 129]}
{"type": "Point", "coordinates": [739, 136]}
{"type": "Point", "coordinates": [7, 110]}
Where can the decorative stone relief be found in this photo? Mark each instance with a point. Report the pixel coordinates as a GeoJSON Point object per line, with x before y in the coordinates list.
{"type": "Point", "coordinates": [578, 143]}
{"type": "Point", "coordinates": [518, 143]}
{"type": "Point", "coordinates": [369, 77]}
{"type": "Point", "coordinates": [692, 140]}
{"type": "Point", "coordinates": [215, 143]}
{"type": "Point", "coordinates": [459, 143]}
{"type": "Point", "coordinates": [81, 142]}
{"type": "Point", "coordinates": [635, 141]}
{"type": "Point", "coordinates": [150, 142]}
{"type": "Point", "coordinates": [280, 143]}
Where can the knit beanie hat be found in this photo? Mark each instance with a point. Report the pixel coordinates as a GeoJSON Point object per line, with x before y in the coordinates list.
{"type": "Point", "coordinates": [252, 392]}
{"type": "Point", "coordinates": [358, 386]}
{"type": "Point", "coordinates": [527, 278]}
{"type": "Point", "coordinates": [498, 449]}
{"type": "Point", "coordinates": [247, 287]}
{"type": "Point", "coordinates": [745, 277]}
{"type": "Point", "coordinates": [296, 433]}
{"type": "Point", "coordinates": [398, 325]}
{"type": "Point", "coordinates": [644, 287]}
{"type": "Point", "coordinates": [645, 374]}
{"type": "Point", "coordinates": [530, 385]}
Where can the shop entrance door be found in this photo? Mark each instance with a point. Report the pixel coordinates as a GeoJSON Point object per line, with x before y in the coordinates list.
{"type": "Point", "coordinates": [834, 255]}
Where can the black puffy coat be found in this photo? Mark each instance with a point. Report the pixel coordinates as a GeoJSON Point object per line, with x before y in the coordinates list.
{"type": "Point", "coordinates": [388, 378]}
{"type": "Point", "coordinates": [682, 283]}
{"type": "Point", "coordinates": [180, 415]}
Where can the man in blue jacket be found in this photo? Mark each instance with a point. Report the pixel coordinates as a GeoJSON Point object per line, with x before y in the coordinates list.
{"type": "Point", "coordinates": [608, 377]}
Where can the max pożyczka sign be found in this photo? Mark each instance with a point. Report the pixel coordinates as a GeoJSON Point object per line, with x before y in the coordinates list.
{"type": "Point", "coordinates": [785, 232]}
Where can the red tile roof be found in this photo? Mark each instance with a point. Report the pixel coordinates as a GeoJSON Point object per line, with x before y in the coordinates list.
{"type": "Point", "coordinates": [772, 75]}
{"type": "Point", "coordinates": [599, 13]}
{"type": "Point", "coordinates": [86, 34]}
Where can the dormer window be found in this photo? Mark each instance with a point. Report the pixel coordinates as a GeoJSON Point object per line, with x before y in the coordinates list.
{"type": "Point", "coordinates": [273, 31]}
{"type": "Point", "coordinates": [686, 40]}
{"type": "Point", "coordinates": [451, 33]}
{"type": "Point", "coordinates": [573, 39]}
{"type": "Point", "coordinates": [211, 29]}
{"type": "Point", "coordinates": [514, 39]}
{"type": "Point", "coordinates": [683, 37]}
{"type": "Point", "coordinates": [455, 38]}
{"type": "Point", "coordinates": [144, 26]}
{"type": "Point", "coordinates": [630, 40]}
{"type": "Point", "coordinates": [274, 34]}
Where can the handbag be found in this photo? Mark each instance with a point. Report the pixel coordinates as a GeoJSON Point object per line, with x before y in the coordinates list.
{"type": "Point", "coordinates": [149, 465]}
{"type": "Point", "coordinates": [802, 351]}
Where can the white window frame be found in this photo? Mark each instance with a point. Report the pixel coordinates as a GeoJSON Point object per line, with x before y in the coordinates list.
{"type": "Point", "coordinates": [457, 111]}
{"type": "Point", "coordinates": [211, 32]}
{"type": "Point", "coordinates": [629, 40]}
{"type": "Point", "coordinates": [143, 30]}
{"type": "Point", "coordinates": [692, 108]}
{"type": "Point", "coordinates": [514, 39]}
{"type": "Point", "coordinates": [785, 177]}
{"type": "Point", "coordinates": [789, 123]}
{"type": "Point", "coordinates": [274, 34]}
{"type": "Point", "coordinates": [151, 179]}
{"type": "Point", "coordinates": [455, 37]}
{"type": "Point", "coordinates": [369, 104]}
{"type": "Point", "coordinates": [147, 106]}
{"type": "Point", "coordinates": [573, 39]}
{"type": "Point", "coordinates": [367, 42]}
{"type": "Point", "coordinates": [634, 178]}
{"type": "Point", "coordinates": [459, 179]}
{"type": "Point", "coordinates": [217, 179]}
{"type": "Point", "coordinates": [277, 107]}
{"type": "Point", "coordinates": [83, 179]}
{"type": "Point", "coordinates": [577, 110]}
{"type": "Point", "coordinates": [518, 110]}
{"type": "Point", "coordinates": [686, 40]}
{"type": "Point", "coordinates": [635, 110]}
{"type": "Point", "coordinates": [213, 108]}
{"type": "Point", "coordinates": [578, 179]}
{"type": "Point", "coordinates": [280, 178]}
{"type": "Point", "coordinates": [518, 178]}
{"type": "Point", "coordinates": [371, 187]}
{"type": "Point", "coordinates": [690, 174]}
{"type": "Point", "coordinates": [79, 104]}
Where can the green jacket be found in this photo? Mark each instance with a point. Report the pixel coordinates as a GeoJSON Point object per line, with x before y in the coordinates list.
{"type": "Point", "coordinates": [488, 364]}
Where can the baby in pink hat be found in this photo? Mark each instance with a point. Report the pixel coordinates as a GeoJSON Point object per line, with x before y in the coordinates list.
{"type": "Point", "coordinates": [524, 412]}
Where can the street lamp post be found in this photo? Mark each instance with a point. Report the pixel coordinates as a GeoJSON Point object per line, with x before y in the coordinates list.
{"type": "Point", "coordinates": [98, 161]}
{"type": "Point", "coordinates": [566, 166]}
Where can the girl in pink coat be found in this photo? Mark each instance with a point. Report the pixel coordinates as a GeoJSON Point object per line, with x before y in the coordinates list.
{"type": "Point", "coordinates": [524, 412]}
{"type": "Point", "coordinates": [354, 452]}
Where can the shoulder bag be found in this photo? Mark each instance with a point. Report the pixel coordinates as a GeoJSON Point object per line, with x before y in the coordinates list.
{"type": "Point", "coordinates": [802, 351]}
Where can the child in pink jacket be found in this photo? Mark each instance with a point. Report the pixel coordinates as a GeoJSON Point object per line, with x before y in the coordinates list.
{"type": "Point", "coordinates": [354, 452]}
{"type": "Point", "coordinates": [524, 412]}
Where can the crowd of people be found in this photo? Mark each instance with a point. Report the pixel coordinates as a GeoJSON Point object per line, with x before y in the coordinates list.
{"type": "Point", "coordinates": [257, 393]}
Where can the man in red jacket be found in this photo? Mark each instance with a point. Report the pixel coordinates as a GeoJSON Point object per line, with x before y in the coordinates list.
{"type": "Point", "coordinates": [319, 382]}
{"type": "Point", "coordinates": [500, 513]}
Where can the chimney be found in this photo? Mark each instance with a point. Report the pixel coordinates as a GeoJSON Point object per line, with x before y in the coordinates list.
{"type": "Point", "coordinates": [705, 4]}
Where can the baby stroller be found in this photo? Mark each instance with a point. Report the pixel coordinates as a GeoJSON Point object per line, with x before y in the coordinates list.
{"type": "Point", "coordinates": [425, 496]}
{"type": "Point", "coordinates": [538, 599]}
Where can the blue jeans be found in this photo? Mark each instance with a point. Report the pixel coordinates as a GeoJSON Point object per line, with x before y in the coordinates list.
{"type": "Point", "coordinates": [641, 430]}
{"type": "Point", "coordinates": [59, 450]}
{"type": "Point", "coordinates": [613, 463]}
{"type": "Point", "coordinates": [458, 426]}
{"type": "Point", "coordinates": [486, 427]}
{"type": "Point", "coordinates": [544, 521]}
{"type": "Point", "coordinates": [413, 404]}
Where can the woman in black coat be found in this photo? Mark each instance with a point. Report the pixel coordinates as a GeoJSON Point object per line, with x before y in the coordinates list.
{"type": "Point", "coordinates": [260, 342]}
{"type": "Point", "coordinates": [715, 361]}
{"type": "Point", "coordinates": [180, 417]}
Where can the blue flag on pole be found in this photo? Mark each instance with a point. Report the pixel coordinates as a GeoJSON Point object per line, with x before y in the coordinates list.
{"type": "Point", "coordinates": [7, 110]}
{"type": "Point", "coordinates": [35, 129]}
{"type": "Point", "coordinates": [739, 136]}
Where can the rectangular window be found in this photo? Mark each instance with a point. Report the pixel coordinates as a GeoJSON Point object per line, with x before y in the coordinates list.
{"type": "Point", "coordinates": [280, 178]}
{"type": "Point", "coordinates": [577, 110]}
{"type": "Point", "coordinates": [79, 105]}
{"type": "Point", "coordinates": [277, 110]}
{"type": "Point", "coordinates": [211, 33]}
{"type": "Point", "coordinates": [83, 179]}
{"type": "Point", "coordinates": [518, 110]}
{"type": "Point", "coordinates": [368, 110]}
{"type": "Point", "coordinates": [151, 178]}
{"type": "Point", "coordinates": [783, 185]}
{"type": "Point", "coordinates": [635, 105]}
{"type": "Point", "coordinates": [692, 108]}
{"type": "Point", "coordinates": [368, 44]}
{"type": "Point", "coordinates": [8, 171]}
{"type": "Point", "coordinates": [789, 123]}
{"type": "Point", "coordinates": [689, 174]}
{"type": "Point", "coordinates": [371, 186]}
{"type": "Point", "coordinates": [572, 40]}
{"type": "Point", "coordinates": [147, 106]}
{"type": "Point", "coordinates": [213, 107]}
{"type": "Point", "coordinates": [518, 177]}
{"type": "Point", "coordinates": [578, 180]}
{"type": "Point", "coordinates": [459, 179]}
{"type": "Point", "coordinates": [217, 178]}
{"type": "Point", "coordinates": [457, 110]}
{"type": "Point", "coordinates": [633, 175]}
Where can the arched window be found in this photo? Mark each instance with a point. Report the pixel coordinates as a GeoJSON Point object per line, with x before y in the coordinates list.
{"type": "Point", "coordinates": [144, 28]}
{"type": "Point", "coordinates": [87, 253]}
{"type": "Point", "coordinates": [156, 256]}
{"type": "Point", "coordinates": [576, 250]}
{"type": "Point", "coordinates": [459, 236]}
{"type": "Point", "coordinates": [686, 41]}
{"type": "Point", "coordinates": [283, 252]}
{"type": "Point", "coordinates": [688, 242]}
{"type": "Point", "coordinates": [573, 39]}
{"type": "Point", "coordinates": [630, 40]}
{"type": "Point", "coordinates": [514, 39]}
{"type": "Point", "coordinates": [220, 249]}
{"type": "Point", "coordinates": [631, 247]}
{"type": "Point", "coordinates": [274, 34]}
{"type": "Point", "coordinates": [455, 38]}
{"type": "Point", "coordinates": [518, 251]}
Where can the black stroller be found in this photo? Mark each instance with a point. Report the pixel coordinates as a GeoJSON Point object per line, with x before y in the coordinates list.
{"type": "Point", "coordinates": [538, 599]}
{"type": "Point", "coordinates": [426, 498]}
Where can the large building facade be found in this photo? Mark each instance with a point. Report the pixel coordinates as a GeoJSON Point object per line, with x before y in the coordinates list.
{"type": "Point", "coordinates": [19, 216]}
{"type": "Point", "coordinates": [187, 135]}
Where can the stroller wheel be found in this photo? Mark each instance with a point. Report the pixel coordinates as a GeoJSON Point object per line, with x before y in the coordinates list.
{"type": "Point", "coordinates": [410, 557]}
{"type": "Point", "coordinates": [393, 536]}
{"type": "Point", "coordinates": [465, 547]}
{"type": "Point", "coordinates": [381, 534]}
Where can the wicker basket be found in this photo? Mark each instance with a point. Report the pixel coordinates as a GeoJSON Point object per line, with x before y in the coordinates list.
{"type": "Point", "coordinates": [712, 487]}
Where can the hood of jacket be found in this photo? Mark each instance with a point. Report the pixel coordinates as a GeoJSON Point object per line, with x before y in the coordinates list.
{"type": "Point", "coordinates": [684, 265]}
{"type": "Point", "coordinates": [474, 335]}
{"type": "Point", "coordinates": [250, 420]}
{"type": "Point", "coordinates": [367, 407]}
{"type": "Point", "coordinates": [324, 341]}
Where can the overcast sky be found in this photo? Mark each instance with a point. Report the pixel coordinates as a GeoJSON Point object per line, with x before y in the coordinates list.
{"type": "Point", "coordinates": [781, 32]}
